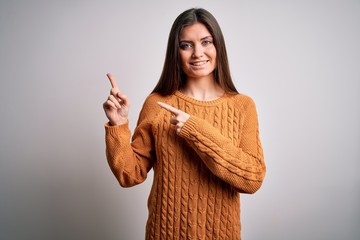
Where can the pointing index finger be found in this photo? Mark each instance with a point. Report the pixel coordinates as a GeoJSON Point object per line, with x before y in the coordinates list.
{"type": "Point", "coordinates": [112, 81]}
{"type": "Point", "coordinates": [169, 108]}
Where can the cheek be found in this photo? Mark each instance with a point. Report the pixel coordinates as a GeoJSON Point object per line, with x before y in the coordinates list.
{"type": "Point", "coordinates": [184, 58]}
{"type": "Point", "coordinates": [213, 53]}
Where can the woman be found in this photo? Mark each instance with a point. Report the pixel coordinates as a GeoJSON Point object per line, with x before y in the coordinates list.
{"type": "Point", "coordinates": [196, 131]}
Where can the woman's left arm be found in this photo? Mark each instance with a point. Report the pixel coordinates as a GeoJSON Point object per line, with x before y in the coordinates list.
{"type": "Point", "coordinates": [241, 166]}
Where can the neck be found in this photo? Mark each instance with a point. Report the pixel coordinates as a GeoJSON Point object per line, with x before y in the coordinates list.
{"type": "Point", "coordinates": [203, 89]}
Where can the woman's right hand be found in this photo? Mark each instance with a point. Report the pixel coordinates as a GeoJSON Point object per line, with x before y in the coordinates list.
{"type": "Point", "coordinates": [117, 105]}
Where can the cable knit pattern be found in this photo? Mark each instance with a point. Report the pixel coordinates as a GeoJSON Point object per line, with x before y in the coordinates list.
{"type": "Point", "coordinates": [199, 172]}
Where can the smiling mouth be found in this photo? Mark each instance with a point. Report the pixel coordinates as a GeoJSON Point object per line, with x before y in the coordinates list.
{"type": "Point", "coordinates": [200, 63]}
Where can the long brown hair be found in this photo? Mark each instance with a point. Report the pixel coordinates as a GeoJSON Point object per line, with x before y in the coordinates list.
{"type": "Point", "coordinates": [172, 77]}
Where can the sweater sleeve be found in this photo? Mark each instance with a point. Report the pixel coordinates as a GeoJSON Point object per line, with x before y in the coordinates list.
{"type": "Point", "coordinates": [130, 161]}
{"type": "Point", "coordinates": [242, 166]}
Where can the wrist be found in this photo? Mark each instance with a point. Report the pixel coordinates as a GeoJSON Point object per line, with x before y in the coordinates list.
{"type": "Point", "coordinates": [117, 123]}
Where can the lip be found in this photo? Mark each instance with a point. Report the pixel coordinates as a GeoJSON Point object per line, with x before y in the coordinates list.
{"type": "Point", "coordinates": [199, 63]}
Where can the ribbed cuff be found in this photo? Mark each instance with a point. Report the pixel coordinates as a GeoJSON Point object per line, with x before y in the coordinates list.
{"type": "Point", "coordinates": [117, 128]}
{"type": "Point", "coordinates": [189, 127]}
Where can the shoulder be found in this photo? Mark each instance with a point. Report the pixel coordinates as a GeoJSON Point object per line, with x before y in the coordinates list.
{"type": "Point", "coordinates": [242, 100]}
{"type": "Point", "coordinates": [245, 106]}
{"type": "Point", "coordinates": [150, 104]}
{"type": "Point", "coordinates": [152, 100]}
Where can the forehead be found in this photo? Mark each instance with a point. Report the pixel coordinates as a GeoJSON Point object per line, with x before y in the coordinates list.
{"type": "Point", "coordinates": [195, 31]}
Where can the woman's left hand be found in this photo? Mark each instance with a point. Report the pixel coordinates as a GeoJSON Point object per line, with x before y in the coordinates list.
{"type": "Point", "coordinates": [178, 118]}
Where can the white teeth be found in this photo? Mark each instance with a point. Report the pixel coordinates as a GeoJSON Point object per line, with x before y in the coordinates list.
{"type": "Point", "coordinates": [198, 63]}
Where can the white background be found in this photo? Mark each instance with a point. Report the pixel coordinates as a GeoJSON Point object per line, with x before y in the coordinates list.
{"type": "Point", "coordinates": [299, 61]}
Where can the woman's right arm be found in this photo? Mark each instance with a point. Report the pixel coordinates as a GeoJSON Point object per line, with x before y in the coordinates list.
{"type": "Point", "coordinates": [117, 105]}
{"type": "Point", "coordinates": [129, 160]}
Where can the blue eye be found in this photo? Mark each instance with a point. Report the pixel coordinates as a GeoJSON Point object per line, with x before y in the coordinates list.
{"type": "Point", "coordinates": [206, 42]}
{"type": "Point", "coordinates": [185, 45]}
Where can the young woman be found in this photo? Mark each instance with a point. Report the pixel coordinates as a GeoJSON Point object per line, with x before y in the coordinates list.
{"type": "Point", "coordinates": [199, 135]}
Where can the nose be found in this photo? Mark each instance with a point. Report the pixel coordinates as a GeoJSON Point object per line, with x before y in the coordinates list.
{"type": "Point", "coordinates": [198, 51]}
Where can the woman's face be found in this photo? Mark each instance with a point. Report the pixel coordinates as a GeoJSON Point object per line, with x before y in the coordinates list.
{"type": "Point", "coordinates": [197, 51]}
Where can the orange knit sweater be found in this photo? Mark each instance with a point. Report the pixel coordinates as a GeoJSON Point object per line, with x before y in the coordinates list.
{"type": "Point", "coordinates": [199, 172]}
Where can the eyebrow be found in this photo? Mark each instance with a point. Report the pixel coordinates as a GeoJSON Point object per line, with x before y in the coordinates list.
{"type": "Point", "coordinates": [200, 39]}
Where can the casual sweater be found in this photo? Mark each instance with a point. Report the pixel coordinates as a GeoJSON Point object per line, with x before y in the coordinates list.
{"type": "Point", "coordinates": [199, 171]}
